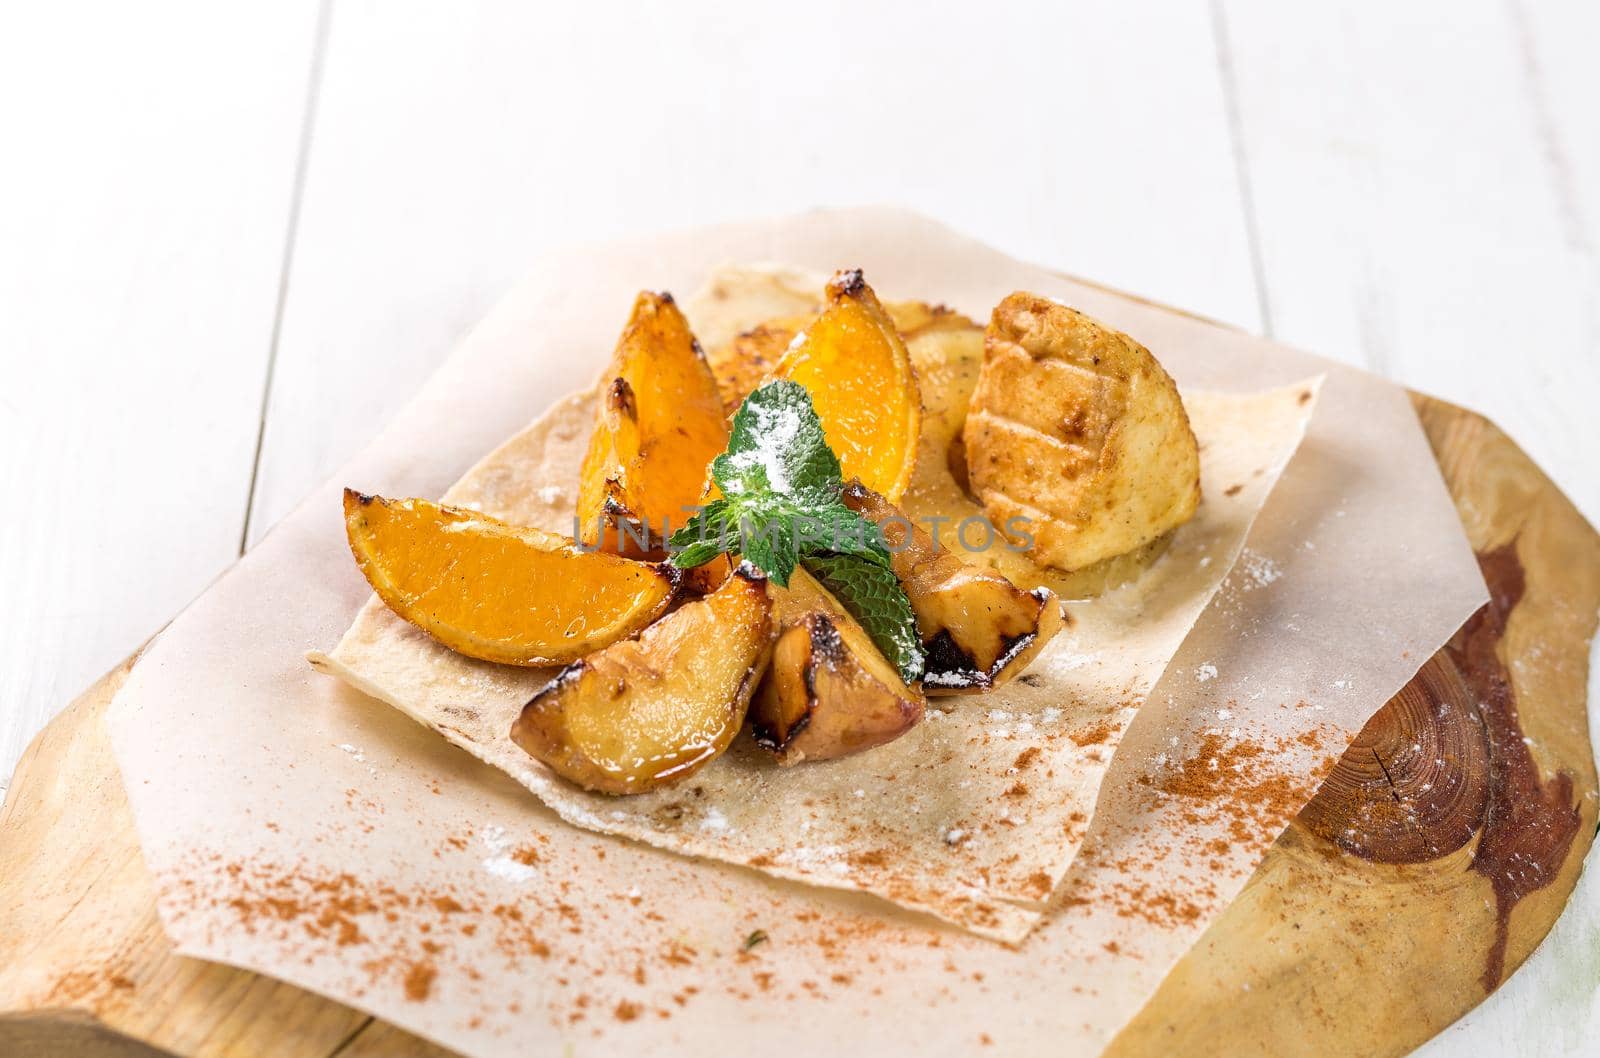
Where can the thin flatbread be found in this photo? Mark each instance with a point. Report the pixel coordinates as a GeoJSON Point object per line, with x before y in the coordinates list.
{"type": "Point", "coordinates": [974, 815]}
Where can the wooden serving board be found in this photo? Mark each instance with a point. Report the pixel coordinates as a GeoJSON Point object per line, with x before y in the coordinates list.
{"type": "Point", "coordinates": [1433, 860]}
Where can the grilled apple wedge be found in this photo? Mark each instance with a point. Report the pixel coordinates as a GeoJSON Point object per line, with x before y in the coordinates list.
{"type": "Point", "coordinates": [649, 711]}
{"type": "Point", "coordinates": [499, 592]}
{"type": "Point", "coordinates": [1077, 430]}
{"type": "Point", "coordinates": [979, 629]}
{"type": "Point", "coordinates": [829, 692]}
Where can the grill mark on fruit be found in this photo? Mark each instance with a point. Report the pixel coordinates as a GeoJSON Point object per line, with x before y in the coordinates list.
{"type": "Point", "coordinates": [1016, 426]}
{"type": "Point", "coordinates": [847, 283]}
{"type": "Point", "coordinates": [621, 398]}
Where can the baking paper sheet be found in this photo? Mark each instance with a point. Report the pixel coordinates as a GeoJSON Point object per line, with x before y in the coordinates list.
{"type": "Point", "coordinates": [973, 815]}
{"type": "Point", "coordinates": [301, 829]}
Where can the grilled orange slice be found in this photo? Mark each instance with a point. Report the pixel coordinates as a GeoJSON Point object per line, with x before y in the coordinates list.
{"type": "Point", "coordinates": [855, 366]}
{"type": "Point", "coordinates": [499, 592]}
{"type": "Point", "coordinates": [659, 423]}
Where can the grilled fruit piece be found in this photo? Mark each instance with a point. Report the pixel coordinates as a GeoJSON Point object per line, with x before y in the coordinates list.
{"type": "Point", "coordinates": [505, 593]}
{"type": "Point", "coordinates": [649, 711]}
{"type": "Point", "coordinates": [746, 360]}
{"type": "Point", "coordinates": [978, 628]}
{"type": "Point", "coordinates": [659, 423]}
{"type": "Point", "coordinates": [913, 319]}
{"type": "Point", "coordinates": [750, 357]}
{"type": "Point", "coordinates": [859, 374]}
{"type": "Point", "coordinates": [948, 358]}
{"type": "Point", "coordinates": [1077, 429]}
{"type": "Point", "coordinates": [828, 692]}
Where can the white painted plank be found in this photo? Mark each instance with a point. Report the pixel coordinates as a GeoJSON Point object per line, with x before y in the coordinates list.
{"type": "Point", "coordinates": [453, 142]}
{"type": "Point", "coordinates": [144, 198]}
{"type": "Point", "coordinates": [1552, 1006]}
{"type": "Point", "coordinates": [1424, 190]}
{"type": "Point", "coordinates": [1411, 217]}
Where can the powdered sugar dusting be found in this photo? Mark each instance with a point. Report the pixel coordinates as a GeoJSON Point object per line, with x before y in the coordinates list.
{"type": "Point", "coordinates": [1257, 570]}
{"type": "Point", "coordinates": [776, 429]}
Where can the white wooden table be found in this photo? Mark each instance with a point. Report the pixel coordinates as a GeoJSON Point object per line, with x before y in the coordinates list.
{"type": "Point", "coordinates": [233, 238]}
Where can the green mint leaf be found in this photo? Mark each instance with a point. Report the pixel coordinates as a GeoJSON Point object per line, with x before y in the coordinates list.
{"type": "Point", "coordinates": [777, 445]}
{"type": "Point", "coordinates": [766, 540]}
{"type": "Point", "coordinates": [836, 529]}
{"type": "Point", "coordinates": [781, 506]}
{"type": "Point", "coordinates": [873, 595]}
{"type": "Point", "coordinates": [697, 554]}
{"type": "Point", "coordinates": [703, 537]}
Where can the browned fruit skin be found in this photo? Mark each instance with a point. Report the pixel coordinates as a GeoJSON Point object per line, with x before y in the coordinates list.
{"type": "Point", "coordinates": [828, 692]}
{"type": "Point", "coordinates": [510, 594]}
{"type": "Point", "coordinates": [1076, 428]}
{"type": "Point", "coordinates": [979, 629]}
{"type": "Point", "coordinates": [913, 319]}
{"type": "Point", "coordinates": [650, 711]}
{"type": "Point", "coordinates": [749, 359]}
{"type": "Point", "coordinates": [658, 425]}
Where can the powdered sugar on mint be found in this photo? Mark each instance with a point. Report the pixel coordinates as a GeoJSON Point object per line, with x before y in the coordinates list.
{"type": "Point", "coordinates": [775, 429]}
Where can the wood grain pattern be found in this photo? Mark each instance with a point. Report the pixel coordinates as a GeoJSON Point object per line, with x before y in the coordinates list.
{"type": "Point", "coordinates": [84, 966]}
{"type": "Point", "coordinates": [1326, 950]}
{"type": "Point", "coordinates": [1357, 936]}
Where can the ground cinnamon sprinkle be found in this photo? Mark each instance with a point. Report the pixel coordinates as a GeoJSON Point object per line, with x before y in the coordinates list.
{"type": "Point", "coordinates": [1095, 734]}
{"type": "Point", "coordinates": [419, 981]}
{"type": "Point", "coordinates": [1232, 785]}
{"type": "Point", "coordinates": [1244, 790]}
{"type": "Point", "coordinates": [1241, 783]}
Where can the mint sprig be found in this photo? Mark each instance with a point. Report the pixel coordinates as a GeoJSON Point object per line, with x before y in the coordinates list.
{"type": "Point", "coordinates": [781, 507]}
{"type": "Point", "coordinates": [874, 597]}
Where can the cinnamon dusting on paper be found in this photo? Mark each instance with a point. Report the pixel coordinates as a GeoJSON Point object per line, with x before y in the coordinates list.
{"type": "Point", "coordinates": [419, 981]}
{"type": "Point", "coordinates": [1243, 783]}
{"type": "Point", "coordinates": [409, 941]}
{"type": "Point", "coordinates": [1241, 789]}
{"type": "Point", "coordinates": [1095, 734]}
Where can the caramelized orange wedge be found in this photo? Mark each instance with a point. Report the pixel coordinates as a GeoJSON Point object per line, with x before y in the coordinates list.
{"type": "Point", "coordinates": [659, 423]}
{"type": "Point", "coordinates": [853, 362]}
{"type": "Point", "coordinates": [516, 595]}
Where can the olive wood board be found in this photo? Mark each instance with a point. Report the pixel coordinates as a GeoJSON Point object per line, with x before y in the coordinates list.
{"type": "Point", "coordinates": [1431, 863]}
